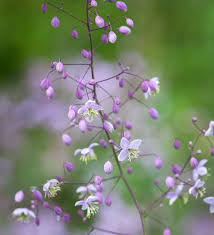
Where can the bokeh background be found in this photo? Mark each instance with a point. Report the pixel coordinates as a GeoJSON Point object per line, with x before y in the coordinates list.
{"type": "Point", "coordinates": [171, 39]}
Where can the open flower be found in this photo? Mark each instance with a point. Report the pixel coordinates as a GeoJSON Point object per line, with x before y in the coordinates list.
{"type": "Point", "coordinates": [90, 204]}
{"type": "Point", "coordinates": [87, 153]}
{"type": "Point", "coordinates": [197, 188]}
{"type": "Point", "coordinates": [90, 110]}
{"type": "Point", "coordinates": [199, 170]}
{"type": "Point", "coordinates": [153, 87]}
{"type": "Point", "coordinates": [210, 130]}
{"type": "Point", "coordinates": [129, 150]}
{"type": "Point", "coordinates": [173, 196]}
{"type": "Point", "coordinates": [51, 187]}
{"type": "Point", "coordinates": [23, 215]}
{"type": "Point", "coordinates": [210, 201]}
{"type": "Point", "coordinates": [86, 190]}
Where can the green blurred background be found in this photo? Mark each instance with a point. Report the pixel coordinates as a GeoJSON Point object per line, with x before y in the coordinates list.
{"type": "Point", "coordinates": [175, 40]}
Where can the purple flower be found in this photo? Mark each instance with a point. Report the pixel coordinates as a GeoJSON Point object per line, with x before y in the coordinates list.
{"type": "Point", "coordinates": [170, 182]}
{"type": "Point", "coordinates": [210, 201]}
{"type": "Point", "coordinates": [115, 108]}
{"type": "Point", "coordinates": [166, 231]}
{"type": "Point", "coordinates": [66, 139]}
{"type": "Point", "coordinates": [196, 188]}
{"type": "Point", "coordinates": [90, 110]}
{"type": "Point", "coordinates": [74, 34]}
{"type": "Point", "coordinates": [59, 67]}
{"type": "Point", "coordinates": [193, 162]}
{"type": "Point", "coordinates": [199, 170]}
{"type": "Point", "coordinates": [210, 130]}
{"type": "Point", "coordinates": [84, 53]}
{"type": "Point", "coordinates": [23, 215]}
{"type": "Point", "coordinates": [176, 144]}
{"type": "Point", "coordinates": [158, 162]}
{"type": "Point", "coordinates": [124, 30]}
{"type": "Point", "coordinates": [153, 113]}
{"type": "Point", "coordinates": [50, 92]}
{"type": "Point", "coordinates": [121, 6]}
{"type": "Point", "coordinates": [108, 126]}
{"type": "Point", "coordinates": [144, 86]}
{"type": "Point", "coordinates": [108, 201]}
{"type": "Point", "coordinates": [45, 204]}
{"type": "Point", "coordinates": [87, 153]}
{"type": "Point", "coordinates": [51, 188]}
{"type": "Point", "coordinates": [57, 210]}
{"type": "Point", "coordinates": [172, 196]}
{"type": "Point", "coordinates": [121, 83]}
{"type": "Point", "coordinates": [108, 167]}
{"type": "Point", "coordinates": [212, 151]}
{"type": "Point", "coordinates": [55, 22]}
{"type": "Point", "coordinates": [129, 22]}
{"type": "Point", "coordinates": [93, 3]}
{"type": "Point", "coordinates": [153, 87]}
{"type": "Point", "coordinates": [45, 83]}
{"type": "Point", "coordinates": [99, 21]}
{"type": "Point", "coordinates": [176, 169]}
{"type": "Point", "coordinates": [84, 190]}
{"type": "Point", "coordinates": [129, 150]}
{"type": "Point", "coordinates": [37, 195]}
{"type": "Point", "coordinates": [19, 196]}
{"type": "Point", "coordinates": [129, 170]}
{"type": "Point", "coordinates": [44, 7]}
{"type": "Point", "coordinates": [79, 94]}
{"type": "Point", "coordinates": [112, 37]}
{"type": "Point", "coordinates": [68, 166]}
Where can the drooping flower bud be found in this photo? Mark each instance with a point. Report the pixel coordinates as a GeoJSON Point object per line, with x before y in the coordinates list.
{"type": "Point", "coordinates": [156, 181]}
{"type": "Point", "coordinates": [57, 210]}
{"type": "Point", "coordinates": [68, 166]}
{"type": "Point", "coordinates": [37, 195]}
{"type": "Point", "coordinates": [166, 231]}
{"type": "Point", "coordinates": [112, 37]}
{"type": "Point", "coordinates": [153, 113]}
{"type": "Point", "coordinates": [118, 121]}
{"type": "Point", "coordinates": [193, 162]}
{"type": "Point", "coordinates": [103, 143]}
{"type": "Point", "coordinates": [84, 53]}
{"type": "Point", "coordinates": [99, 187]}
{"type": "Point", "coordinates": [108, 126]}
{"type": "Point", "coordinates": [115, 108]}
{"type": "Point", "coordinates": [144, 86]}
{"type": "Point", "coordinates": [66, 217]}
{"type": "Point", "coordinates": [108, 201]}
{"type": "Point", "coordinates": [79, 94]}
{"type": "Point", "coordinates": [127, 135]}
{"type": "Point", "coordinates": [66, 139]}
{"type": "Point", "coordinates": [55, 22]}
{"type": "Point", "coordinates": [117, 100]}
{"type": "Point", "coordinates": [176, 144]}
{"type": "Point", "coordinates": [59, 178]}
{"type": "Point", "coordinates": [74, 34]}
{"type": "Point", "coordinates": [71, 114]}
{"type": "Point", "coordinates": [124, 30]}
{"type": "Point", "coordinates": [45, 83]}
{"type": "Point", "coordinates": [130, 95]}
{"type": "Point", "coordinates": [128, 125]}
{"type": "Point", "coordinates": [50, 92]}
{"type": "Point", "coordinates": [152, 85]}
{"type": "Point", "coordinates": [108, 167]}
{"type": "Point", "coordinates": [44, 7]}
{"type": "Point", "coordinates": [99, 196]}
{"type": "Point", "coordinates": [89, 55]}
{"type": "Point", "coordinates": [129, 170]}
{"type": "Point", "coordinates": [111, 142]}
{"type": "Point", "coordinates": [121, 83]}
{"type": "Point", "coordinates": [97, 179]}
{"type": "Point", "coordinates": [212, 151]}
{"type": "Point", "coordinates": [99, 21]}
{"type": "Point", "coordinates": [104, 38]}
{"type": "Point", "coordinates": [93, 3]}
{"type": "Point", "coordinates": [82, 125]}
{"type": "Point", "coordinates": [129, 22]}
{"type": "Point", "coordinates": [194, 119]}
{"type": "Point", "coordinates": [45, 204]}
{"type": "Point", "coordinates": [176, 169]}
{"type": "Point", "coordinates": [19, 196]}
{"type": "Point", "coordinates": [37, 221]}
{"type": "Point", "coordinates": [80, 212]}
{"type": "Point", "coordinates": [158, 162]}
{"type": "Point", "coordinates": [59, 67]}
{"type": "Point", "coordinates": [121, 6]}
{"type": "Point", "coordinates": [170, 182]}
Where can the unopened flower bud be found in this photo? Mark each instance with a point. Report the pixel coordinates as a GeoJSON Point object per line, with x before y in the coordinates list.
{"type": "Point", "coordinates": [97, 179]}
{"type": "Point", "coordinates": [111, 142]}
{"type": "Point", "coordinates": [82, 125]}
{"type": "Point", "coordinates": [152, 85]}
{"type": "Point", "coordinates": [144, 86]}
{"type": "Point", "coordinates": [117, 100]}
{"type": "Point", "coordinates": [108, 201]}
{"type": "Point", "coordinates": [66, 217]}
{"type": "Point", "coordinates": [156, 182]}
{"type": "Point", "coordinates": [92, 82]}
{"type": "Point", "coordinates": [176, 169]}
{"type": "Point", "coordinates": [59, 67]}
{"type": "Point", "coordinates": [45, 83]}
{"type": "Point", "coordinates": [176, 144]}
{"type": "Point", "coordinates": [129, 22]}
{"type": "Point", "coordinates": [128, 125]}
{"type": "Point", "coordinates": [124, 30]}
{"type": "Point", "coordinates": [99, 21]}
{"type": "Point", "coordinates": [118, 121]}
{"type": "Point", "coordinates": [57, 210]}
{"type": "Point", "coordinates": [153, 113]}
{"type": "Point", "coordinates": [127, 135]}
{"type": "Point", "coordinates": [19, 196]}
{"type": "Point", "coordinates": [68, 166]}
{"type": "Point", "coordinates": [108, 126]}
{"type": "Point", "coordinates": [194, 119]}
{"type": "Point", "coordinates": [44, 7]}
{"type": "Point", "coordinates": [99, 197]}
{"type": "Point", "coordinates": [45, 204]}
{"type": "Point", "coordinates": [99, 187]}
{"type": "Point", "coordinates": [193, 162]}
{"type": "Point", "coordinates": [166, 231]}
{"type": "Point", "coordinates": [55, 22]}
{"type": "Point", "coordinates": [104, 38]}
{"type": "Point", "coordinates": [74, 34]}
{"type": "Point", "coordinates": [50, 92]}
{"type": "Point", "coordinates": [71, 114]}
{"type": "Point", "coordinates": [93, 3]}
{"type": "Point", "coordinates": [129, 170]}
{"type": "Point", "coordinates": [59, 178]}
{"type": "Point", "coordinates": [108, 167]}
{"type": "Point", "coordinates": [84, 53]}
{"type": "Point", "coordinates": [121, 6]}
{"type": "Point", "coordinates": [37, 195]}
{"type": "Point", "coordinates": [130, 95]}
{"type": "Point", "coordinates": [66, 139]}
{"type": "Point", "coordinates": [103, 143]}
{"type": "Point", "coordinates": [212, 151]}
{"type": "Point", "coordinates": [115, 108]}
{"type": "Point", "coordinates": [79, 94]}
{"type": "Point", "coordinates": [80, 212]}
{"type": "Point", "coordinates": [37, 221]}
{"type": "Point", "coordinates": [170, 182]}
{"type": "Point", "coordinates": [158, 162]}
{"type": "Point", "coordinates": [121, 83]}
{"type": "Point", "coordinates": [112, 37]}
